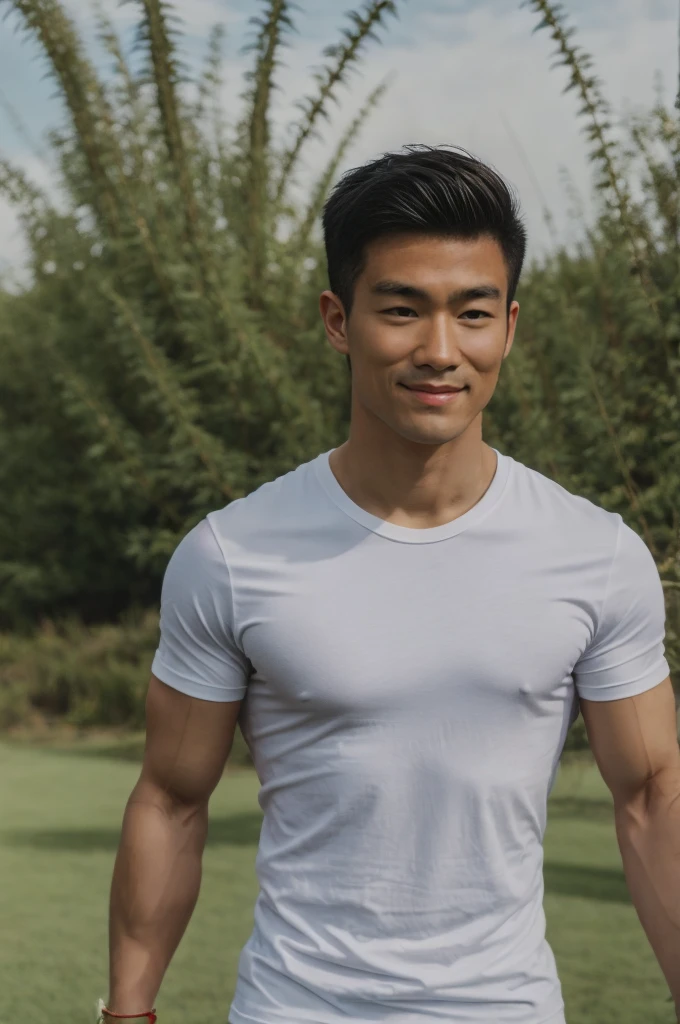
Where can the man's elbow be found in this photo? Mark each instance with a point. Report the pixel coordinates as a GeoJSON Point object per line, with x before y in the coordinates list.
{"type": "Point", "coordinates": [179, 801]}
{"type": "Point", "coordinates": [657, 799]}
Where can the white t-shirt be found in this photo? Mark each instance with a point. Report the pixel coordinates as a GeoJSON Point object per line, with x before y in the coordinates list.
{"type": "Point", "coordinates": [407, 697]}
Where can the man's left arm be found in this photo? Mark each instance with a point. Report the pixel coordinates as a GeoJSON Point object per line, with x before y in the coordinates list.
{"type": "Point", "coordinates": [635, 743]}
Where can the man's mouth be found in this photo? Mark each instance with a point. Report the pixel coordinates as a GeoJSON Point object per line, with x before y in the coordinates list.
{"type": "Point", "coordinates": [435, 394]}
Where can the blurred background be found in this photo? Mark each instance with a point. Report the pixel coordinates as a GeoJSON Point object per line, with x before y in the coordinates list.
{"type": "Point", "coordinates": [162, 173]}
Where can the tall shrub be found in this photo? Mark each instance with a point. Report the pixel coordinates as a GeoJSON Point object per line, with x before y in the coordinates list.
{"type": "Point", "coordinates": [167, 356]}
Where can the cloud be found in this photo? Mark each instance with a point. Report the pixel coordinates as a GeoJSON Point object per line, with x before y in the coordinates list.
{"type": "Point", "coordinates": [479, 78]}
{"type": "Point", "coordinates": [469, 74]}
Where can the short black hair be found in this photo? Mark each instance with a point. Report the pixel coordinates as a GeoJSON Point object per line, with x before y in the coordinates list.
{"type": "Point", "coordinates": [434, 190]}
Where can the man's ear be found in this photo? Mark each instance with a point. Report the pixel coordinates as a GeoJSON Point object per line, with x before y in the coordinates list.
{"type": "Point", "coordinates": [513, 313]}
{"type": "Point", "coordinates": [334, 321]}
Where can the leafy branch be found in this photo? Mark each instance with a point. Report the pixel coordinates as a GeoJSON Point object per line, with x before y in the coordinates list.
{"type": "Point", "coordinates": [343, 55]}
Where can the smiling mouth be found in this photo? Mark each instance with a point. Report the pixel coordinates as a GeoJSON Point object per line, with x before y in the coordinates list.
{"type": "Point", "coordinates": [441, 397]}
{"type": "Point", "coordinates": [433, 391]}
{"type": "Point", "coordinates": [434, 398]}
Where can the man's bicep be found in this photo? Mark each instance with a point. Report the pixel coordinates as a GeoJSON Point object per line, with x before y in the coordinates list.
{"type": "Point", "coordinates": [199, 674]}
{"type": "Point", "coordinates": [188, 741]}
{"type": "Point", "coordinates": [633, 739]}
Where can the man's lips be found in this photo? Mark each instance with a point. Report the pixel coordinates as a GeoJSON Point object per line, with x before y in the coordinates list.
{"type": "Point", "coordinates": [435, 389]}
{"type": "Point", "coordinates": [432, 395]}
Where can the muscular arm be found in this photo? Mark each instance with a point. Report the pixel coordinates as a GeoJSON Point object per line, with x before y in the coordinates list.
{"type": "Point", "coordinates": [635, 744]}
{"type": "Point", "coordinates": [157, 873]}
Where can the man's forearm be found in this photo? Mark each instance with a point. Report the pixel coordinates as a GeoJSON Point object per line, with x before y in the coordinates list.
{"type": "Point", "coordinates": [156, 881]}
{"type": "Point", "coordinates": [648, 832]}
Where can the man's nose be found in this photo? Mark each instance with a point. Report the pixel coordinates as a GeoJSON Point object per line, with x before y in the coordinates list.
{"type": "Point", "coordinates": [438, 345]}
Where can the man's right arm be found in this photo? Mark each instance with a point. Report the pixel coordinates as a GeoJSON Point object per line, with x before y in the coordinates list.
{"type": "Point", "coordinates": [157, 873]}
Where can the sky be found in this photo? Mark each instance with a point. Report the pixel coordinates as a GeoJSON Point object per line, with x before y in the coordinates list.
{"type": "Point", "coordinates": [470, 74]}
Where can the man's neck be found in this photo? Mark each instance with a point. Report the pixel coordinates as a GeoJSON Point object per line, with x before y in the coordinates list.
{"type": "Point", "coordinates": [416, 486]}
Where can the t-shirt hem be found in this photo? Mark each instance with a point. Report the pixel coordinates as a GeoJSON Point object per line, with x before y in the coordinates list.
{"type": "Point", "coordinates": [555, 1018]}
{"type": "Point", "coordinates": [204, 691]}
{"type": "Point", "coordinates": [237, 1017]}
{"type": "Point", "coordinates": [616, 691]}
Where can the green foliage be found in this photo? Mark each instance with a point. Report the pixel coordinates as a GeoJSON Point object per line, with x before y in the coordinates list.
{"type": "Point", "coordinates": [167, 356]}
{"type": "Point", "coordinates": [84, 676]}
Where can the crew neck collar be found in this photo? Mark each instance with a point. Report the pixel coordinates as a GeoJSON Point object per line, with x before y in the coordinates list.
{"type": "Point", "coordinates": [408, 534]}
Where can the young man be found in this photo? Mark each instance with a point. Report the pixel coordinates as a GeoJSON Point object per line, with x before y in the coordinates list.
{"type": "Point", "coordinates": [404, 628]}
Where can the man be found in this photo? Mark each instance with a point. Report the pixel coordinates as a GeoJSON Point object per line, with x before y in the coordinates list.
{"type": "Point", "coordinates": [404, 628]}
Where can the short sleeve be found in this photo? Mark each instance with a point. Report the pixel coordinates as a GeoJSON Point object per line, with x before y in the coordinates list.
{"type": "Point", "coordinates": [626, 655]}
{"type": "Point", "coordinates": [197, 652]}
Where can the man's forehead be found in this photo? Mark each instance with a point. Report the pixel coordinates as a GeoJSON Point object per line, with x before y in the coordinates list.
{"type": "Point", "coordinates": [433, 256]}
{"type": "Point", "coordinates": [411, 240]}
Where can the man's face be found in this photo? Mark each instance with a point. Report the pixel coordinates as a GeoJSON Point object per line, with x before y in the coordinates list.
{"type": "Point", "coordinates": [430, 311]}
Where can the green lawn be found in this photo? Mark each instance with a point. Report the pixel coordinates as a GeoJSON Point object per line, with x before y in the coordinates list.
{"type": "Point", "coordinates": [60, 815]}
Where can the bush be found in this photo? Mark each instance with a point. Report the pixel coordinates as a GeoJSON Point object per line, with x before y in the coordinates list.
{"type": "Point", "coordinates": [167, 356]}
{"type": "Point", "coordinates": [85, 676]}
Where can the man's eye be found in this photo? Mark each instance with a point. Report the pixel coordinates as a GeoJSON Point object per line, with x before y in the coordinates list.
{"type": "Point", "coordinates": [475, 314]}
{"type": "Point", "coordinates": [399, 310]}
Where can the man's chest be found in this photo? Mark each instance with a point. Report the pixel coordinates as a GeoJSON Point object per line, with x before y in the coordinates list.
{"type": "Point", "coordinates": [412, 633]}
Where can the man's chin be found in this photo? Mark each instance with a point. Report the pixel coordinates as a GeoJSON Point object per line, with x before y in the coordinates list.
{"type": "Point", "coordinates": [436, 435]}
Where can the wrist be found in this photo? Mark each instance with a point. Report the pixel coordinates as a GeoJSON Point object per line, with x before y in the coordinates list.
{"type": "Point", "coordinates": [148, 1017]}
{"type": "Point", "coordinates": [121, 1012]}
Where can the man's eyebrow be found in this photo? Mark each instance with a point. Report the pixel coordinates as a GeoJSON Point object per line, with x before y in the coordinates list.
{"type": "Point", "coordinates": [409, 291]}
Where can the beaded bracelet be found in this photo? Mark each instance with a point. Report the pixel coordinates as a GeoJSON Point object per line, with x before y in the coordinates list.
{"type": "Point", "coordinates": [101, 1009]}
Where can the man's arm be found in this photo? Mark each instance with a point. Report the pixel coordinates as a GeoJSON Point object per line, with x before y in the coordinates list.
{"type": "Point", "coordinates": [635, 743]}
{"type": "Point", "coordinates": [157, 873]}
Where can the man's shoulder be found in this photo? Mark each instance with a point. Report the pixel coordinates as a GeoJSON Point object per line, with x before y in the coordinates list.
{"type": "Point", "coordinates": [287, 500]}
{"type": "Point", "coordinates": [545, 499]}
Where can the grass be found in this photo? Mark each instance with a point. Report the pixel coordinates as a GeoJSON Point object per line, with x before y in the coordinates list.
{"type": "Point", "coordinates": [60, 812]}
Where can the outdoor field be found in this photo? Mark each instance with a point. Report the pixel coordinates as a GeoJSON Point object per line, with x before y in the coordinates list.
{"type": "Point", "coordinates": [60, 814]}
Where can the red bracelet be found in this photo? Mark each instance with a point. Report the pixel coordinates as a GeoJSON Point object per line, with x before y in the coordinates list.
{"type": "Point", "coordinates": [149, 1014]}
